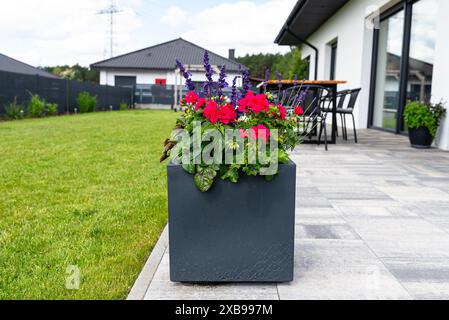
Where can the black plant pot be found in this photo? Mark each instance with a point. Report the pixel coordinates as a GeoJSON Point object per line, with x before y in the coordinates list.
{"type": "Point", "coordinates": [233, 233]}
{"type": "Point", "coordinates": [420, 138]}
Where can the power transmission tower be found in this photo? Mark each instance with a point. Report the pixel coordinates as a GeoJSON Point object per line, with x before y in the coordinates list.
{"type": "Point", "coordinates": [111, 11]}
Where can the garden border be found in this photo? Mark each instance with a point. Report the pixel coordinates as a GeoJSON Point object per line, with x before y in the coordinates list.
{"type": "Point", "coordinates": [145, 278]}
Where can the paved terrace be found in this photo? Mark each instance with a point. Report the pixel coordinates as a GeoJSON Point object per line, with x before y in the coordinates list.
{"type": "Point", "coordinates": [372, 222]}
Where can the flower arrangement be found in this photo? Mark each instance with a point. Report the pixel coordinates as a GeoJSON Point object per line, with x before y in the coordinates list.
{"type": "Point", "coordinates": [226, 137]}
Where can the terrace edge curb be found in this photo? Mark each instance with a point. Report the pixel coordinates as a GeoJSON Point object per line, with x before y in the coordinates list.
{"type": "Point", "coordinates": [145, 278]}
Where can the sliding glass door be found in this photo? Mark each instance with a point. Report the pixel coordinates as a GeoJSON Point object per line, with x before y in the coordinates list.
{"type": "Point", "coordinates": [404, 48]}
{"type": "Point", "coordinates": [389, 55]}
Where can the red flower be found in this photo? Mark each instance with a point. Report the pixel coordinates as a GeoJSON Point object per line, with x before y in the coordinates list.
{"type": "Point", "coordinates": [211, 112]}
{"type": "Point", "coordinates": [192, 97]}
{"type": "Point", "coordinates": [259, 104]}
{"type": "Point", "coordinates": [283, 112]}
{"type": "Point", "coordinates": [299, 111]}
{"type": "Point", "coordinates": [200, 104]}
{"type": "Point", "coordinates": [260, 131]}
{"type": "Point", "coordinates": [243, 133]}
{"type": "Point", "coordinates": [245, 102]}
{"type": "Point", "coordinates": [227, 114]}
{"type": "Point", "coordinates": [255, 103]}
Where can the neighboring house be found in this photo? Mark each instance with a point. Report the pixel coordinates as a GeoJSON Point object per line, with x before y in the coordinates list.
{"type": "Point", "coordinates": [395, 50]}
{"type": "Point", "coordinates": [11, 65]}
{"type": "Point", "coordinates": [153, 72]}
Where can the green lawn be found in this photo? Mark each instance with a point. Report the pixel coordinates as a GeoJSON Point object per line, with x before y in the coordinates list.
{"type": "Point", "coordinates": [83, 190]}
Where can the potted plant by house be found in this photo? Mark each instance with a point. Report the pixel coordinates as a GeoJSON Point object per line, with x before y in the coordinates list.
{"type": "Point", "coordinates": [423, 120]}
{"type": "Point", "coordinates": [231, 185]}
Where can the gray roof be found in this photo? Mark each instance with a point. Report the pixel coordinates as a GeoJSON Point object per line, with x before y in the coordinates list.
{"type": "Point", "coordinates": [163, 57]}
{"type": "Point", "coordinates": [11, 65]}
{"type": "Point", "coordinates": [306, 17]}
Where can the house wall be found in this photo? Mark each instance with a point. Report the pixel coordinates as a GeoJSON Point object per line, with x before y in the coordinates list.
{"type": "Point", "coordinates": [150, 76]}
{"type": "Point", "coordinates": [355, 41]}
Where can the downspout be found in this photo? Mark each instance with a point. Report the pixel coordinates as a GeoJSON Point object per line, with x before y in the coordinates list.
{"type": "Point", "coordinates": [307, 43]}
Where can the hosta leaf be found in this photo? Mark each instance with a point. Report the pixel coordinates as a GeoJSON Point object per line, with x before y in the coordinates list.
{"type": "Point", "coordinates": [204, 179]}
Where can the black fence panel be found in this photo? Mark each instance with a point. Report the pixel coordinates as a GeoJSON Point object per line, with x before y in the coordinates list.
{"type": "Point", "coordinates": [62, 92]}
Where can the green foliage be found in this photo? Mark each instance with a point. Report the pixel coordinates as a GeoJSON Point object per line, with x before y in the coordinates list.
{"type": "Point", "coordinates": [123, 106]}
{"type": "Point", "coordinates": [14, 111]}
{"type": "Point", "coordinates": [231, 173]}
{"type": "Point", "coordinates": [36, 106]}
{"type": "Point", "coordinates": [96, 204]}
{"type": "Point", "coordinates": [86, 102]}
{"type": "Point", "coordinates": [289, 64]}
{"type": "Point", "coordinates": [51, 109]}
{"type": "Point", "coordinates": [419, 114]}
{"type": "Point", "coordinates": [204, 178]}
{"type": "Point", "coordinates": [75, 72]}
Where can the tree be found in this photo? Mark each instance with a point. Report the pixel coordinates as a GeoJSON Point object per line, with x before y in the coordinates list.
{"type": "Point", "coordinates": [289, 64]}
{"type": "Point", "coordinates": [75, 72]}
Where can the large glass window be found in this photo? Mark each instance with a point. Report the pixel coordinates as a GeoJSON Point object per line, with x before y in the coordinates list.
{"type": "Point", "coordinates": [422, 50]}
{"type": "Point", "coordinates": [398, 78]}
{"type": "Point", "coordinates": [388, 71]}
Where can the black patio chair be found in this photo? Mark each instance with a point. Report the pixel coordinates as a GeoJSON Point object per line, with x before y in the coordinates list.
{"type": "Point", "coordinates": [327, 106]}
{"type": "Point", "coordinates": [310, 98]}
{"type": "Point", "coordinates": [349, 110]}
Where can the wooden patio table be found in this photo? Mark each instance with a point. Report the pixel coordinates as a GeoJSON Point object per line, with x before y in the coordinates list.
{"type": "Point", "coordinates": [332, 85]}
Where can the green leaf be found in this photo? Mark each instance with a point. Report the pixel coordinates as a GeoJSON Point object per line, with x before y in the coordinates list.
{"type": "Point", "coordinates": [283, 157]}
{"type": "Point", "coordinates": [231, 173]}
{"type": "Point", "coordinates": [205, 178]}
{"type": "Point", "coordinates": [190, 168]}
{"type": "Point", "coordinates": [269, 178]}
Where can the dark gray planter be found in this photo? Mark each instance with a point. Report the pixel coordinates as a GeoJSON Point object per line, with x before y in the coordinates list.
{"type": "Point", "coordinates": [235, 232]}
{"type": "Point", "coordinates": [420, 138]}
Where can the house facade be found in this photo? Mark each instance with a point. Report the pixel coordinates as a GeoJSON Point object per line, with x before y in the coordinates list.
{"type": "Point", "coordinates": [153, 72]}
{"type": "Point", "coordinates": [395, 50]}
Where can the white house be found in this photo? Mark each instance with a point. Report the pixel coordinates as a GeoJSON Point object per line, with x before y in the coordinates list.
{"type": "Point", "coordinates": [153, 72]}
{"type": "Point", "coordinates": [395, 50]}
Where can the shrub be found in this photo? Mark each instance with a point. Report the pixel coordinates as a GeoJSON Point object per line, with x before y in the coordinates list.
{"type": "Point", "coordinates": [36, 106]}
{"type": "Point", "coordinates": [14, 111]}
{"type": "Point", "coordinates": [418, 114]}
{"type": "Point", "coordinates": [51, 109]}
{"type": "Point", "coordinates": [123, 106]}
{"type": "Point", "coordinates": [86, 102]}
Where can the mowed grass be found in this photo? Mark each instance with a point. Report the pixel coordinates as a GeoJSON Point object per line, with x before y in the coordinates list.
{"type": "Point", "coordinates": [85, 191]}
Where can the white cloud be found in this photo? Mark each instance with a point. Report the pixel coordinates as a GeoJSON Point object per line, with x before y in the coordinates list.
{"type": "Point", "coordinates": [246, 26]}
{"type": "Point", "coordinates": [174, 16]}
{"type": "Point", "coordinates": [48, 33]}
{"type": "Point", "coordinates": [51, 32]}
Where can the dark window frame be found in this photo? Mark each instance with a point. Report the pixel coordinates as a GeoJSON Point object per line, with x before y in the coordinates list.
{"type": "Point", "coordinates": [407, 6]}
{"type": "Point", "coordinates": [333, 62]}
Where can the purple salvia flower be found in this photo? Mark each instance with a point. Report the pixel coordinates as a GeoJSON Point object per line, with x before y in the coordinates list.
{"type": "Point", "coordinates": [234, 93]}
{"type": "Point", "coordinates": [303, 95]}
{"type": "Point", "coordinates": [245, 80]}
{"type": "Point", "coordinates": [267, 77]}
{"type": "Point", "coordinates": [187, 75]}
{"type": "Point", "coordinates": [295, 83]}
{"type": "Point", "coordinates": [209, 74]}
{"type": "Point", "coordinates": [279, 75]}
{"type": "Point", "coordinates": [222, 81]}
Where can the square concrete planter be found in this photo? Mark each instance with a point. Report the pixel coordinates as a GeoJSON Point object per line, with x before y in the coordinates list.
{"type": "Point", "coordinates": [235, 232]}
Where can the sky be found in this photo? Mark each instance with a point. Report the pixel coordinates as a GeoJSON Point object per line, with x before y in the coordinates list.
{"type": "Point", "coordinates": [55, 32]}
